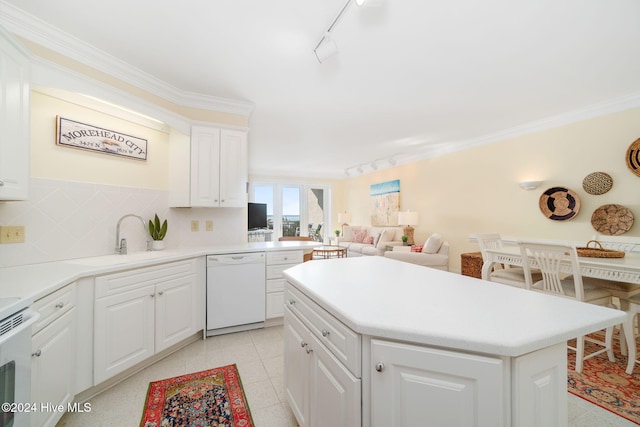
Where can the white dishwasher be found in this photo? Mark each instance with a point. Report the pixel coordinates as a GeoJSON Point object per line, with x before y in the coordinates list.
{"type": "Point", "coordinates": [235, 292]}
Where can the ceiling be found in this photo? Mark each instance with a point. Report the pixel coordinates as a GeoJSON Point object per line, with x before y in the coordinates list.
{"type": "Point", "coordinates": [412, 79]}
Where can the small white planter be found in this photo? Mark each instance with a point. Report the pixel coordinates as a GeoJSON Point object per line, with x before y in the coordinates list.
{"type": "Point", "coordinates": [157, 245]}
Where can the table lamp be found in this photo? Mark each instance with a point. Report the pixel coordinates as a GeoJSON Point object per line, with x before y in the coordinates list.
{"type": "Point", "coordinates": [408, 219]}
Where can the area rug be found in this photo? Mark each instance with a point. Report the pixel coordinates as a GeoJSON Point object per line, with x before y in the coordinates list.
{"type": "Point", "coordinates": [212, 398]}
{"type": "Point", "coordinates": [606, 384]}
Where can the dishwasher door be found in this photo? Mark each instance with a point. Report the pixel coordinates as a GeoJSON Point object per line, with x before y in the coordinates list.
{"type": "Point", "coordinates": [235, 292]}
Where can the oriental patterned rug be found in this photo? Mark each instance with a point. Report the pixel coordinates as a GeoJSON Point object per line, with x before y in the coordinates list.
{"type": "Point", "coordinates": [606, 384]}
{"type": "Point", "coordinates": [212, 398]}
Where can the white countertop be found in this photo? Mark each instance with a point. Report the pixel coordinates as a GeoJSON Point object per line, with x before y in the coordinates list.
{"type": "Point", "coordinates": [37, 280]}
{"type": "Point", "coordinates": [385, 298]}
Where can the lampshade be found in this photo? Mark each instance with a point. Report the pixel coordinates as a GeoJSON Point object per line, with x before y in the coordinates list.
{"type": "Point", "coordinates": [407, 218]}
{"type": "Point", "coordinates": [344, 218]}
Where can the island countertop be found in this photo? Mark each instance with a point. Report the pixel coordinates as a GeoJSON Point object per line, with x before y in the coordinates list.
{"type": "Point", "coordinates": [381, 297]}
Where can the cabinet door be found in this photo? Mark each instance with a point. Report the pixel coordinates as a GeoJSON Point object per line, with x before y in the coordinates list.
{"type": "Point", "coordinates": [53, 368]}
{"type": "Point", "coordinates": [233, 168]}
{"type": "Point", "coordinates": [414, 385]}
{"type": "Point", "coordinates": [335, 392]}
{"type": "Point", "coordinates": [175, 311]}
{"type": "Point", "coordinates": [205, 164]}
{"type": "Point", "coordinates": [296, 371]}
{"type": "Point", "coordinates": [124, 331]}
{"type": "Point", "coordinates": [14, 119]}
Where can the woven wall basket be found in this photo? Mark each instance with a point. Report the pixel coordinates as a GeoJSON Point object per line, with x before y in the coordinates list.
{"type": "Point", "coordinates": [633, 157]}
{"type": "Point", "coordinates": [597, 183]}
{"type": "Point", "coordinates": [612, 220]}
{"type": "Point", "coordinates": [559, 204]}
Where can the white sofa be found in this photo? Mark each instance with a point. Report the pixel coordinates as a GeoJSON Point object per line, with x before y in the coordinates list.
{"type": "Point", "coordinates": [375, 242]}
{"type": "Point", "coordinates": [434, 254]}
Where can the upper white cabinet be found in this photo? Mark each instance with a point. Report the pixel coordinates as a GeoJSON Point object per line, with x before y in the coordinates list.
{"type": "Point", "coordinates": [14, 119]}
{"type": "Point", "coordinates": [217, 168]}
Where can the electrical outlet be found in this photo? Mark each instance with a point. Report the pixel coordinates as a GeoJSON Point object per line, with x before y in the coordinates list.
{"type": "Point", "coordinates": [12, 234]}
{"type": "Point", "coordinates": [209, 225]}
{"type": "Point", "coordinates": [195, 225]}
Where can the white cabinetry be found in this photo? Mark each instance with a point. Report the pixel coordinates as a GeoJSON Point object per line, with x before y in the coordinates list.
{"type": "Point", "coordinates": [277, 262]}
{"type": "Point", "coordinates": [14, 119]}
{"type": "Point", "coordinates": [219, 168]}
{"type": "Point", "coordinates": [53, 354]}
{"type": "Point", "coordinates": [141, 312]}
{"type": "Point", "coordinates": [320, 387]}
{"type": "Point", "coordinates": [412, 384]}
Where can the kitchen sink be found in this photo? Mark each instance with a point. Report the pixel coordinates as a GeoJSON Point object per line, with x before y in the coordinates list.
{"type": "Point", "coordinates": [107, 260]}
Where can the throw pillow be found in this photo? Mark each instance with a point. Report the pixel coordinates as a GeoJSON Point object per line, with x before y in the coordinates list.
{"type": "Point", "coordinates": [416, 248]}
{"type": "Point", "coordinates": [359, 235]}
{"type": "Point", "coordinates": [376, 239]}
{"type": "Point", "coordinates": [432, 244]}
{"type": "Point", "coordinates": [368, 240]}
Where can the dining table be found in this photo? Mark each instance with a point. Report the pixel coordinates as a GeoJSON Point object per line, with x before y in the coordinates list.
{"type": "Point", "coordinates": [622, 274]}
{"type": "Point", "coordinates": [625, 270]}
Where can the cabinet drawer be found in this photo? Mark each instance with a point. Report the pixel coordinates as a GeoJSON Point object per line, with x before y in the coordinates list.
{"type": "Point", "coordinates": [132, 279]}
{"type": "Point", "coordinates": [343, 343]}
{"type": "Point", "coordinates": [276, 285]}
{"type": "Point", "coordinates": [53, 306]}
{"type": "Point", "coordinates": [275, 271]}
{"type": "Point", "coordinates": [284, 257]}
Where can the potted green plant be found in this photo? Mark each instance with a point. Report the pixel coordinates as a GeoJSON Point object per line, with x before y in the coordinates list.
{"type": "Point", "coordinates": [157, 232]}
{"type": "Point", "coordinates": [404, 240]}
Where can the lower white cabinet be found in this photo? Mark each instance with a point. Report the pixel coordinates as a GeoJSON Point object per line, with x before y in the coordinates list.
{"type": "Point", "coordinates": [277, 262]}
{"type": "Point", "coordinates": [415, 385]}
{"type": "Point", "coordinates": [53, 350]}
{"type": "Point", "coordinates": [319, 389]}
{"type": "Point", "coordinates": [141, 312]}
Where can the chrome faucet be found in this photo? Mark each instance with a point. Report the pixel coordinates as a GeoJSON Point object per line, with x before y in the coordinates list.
{"type": "Point", "coordinates": [121, 244]}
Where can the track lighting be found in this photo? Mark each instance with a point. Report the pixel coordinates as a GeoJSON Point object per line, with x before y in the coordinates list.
{"type": "Point", "coordinates": [326, 48]}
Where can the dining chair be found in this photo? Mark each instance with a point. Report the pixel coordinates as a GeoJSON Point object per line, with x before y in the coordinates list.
{"type": "Point", "coordinates": [502, 273]}
{"type": "Point", "coordinates": [549, 259]}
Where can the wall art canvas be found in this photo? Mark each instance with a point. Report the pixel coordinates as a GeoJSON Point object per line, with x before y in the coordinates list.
{"type": "Point", "coordinates": [88, 137]}
{"type": "Point", "coordinates": [385, 197]}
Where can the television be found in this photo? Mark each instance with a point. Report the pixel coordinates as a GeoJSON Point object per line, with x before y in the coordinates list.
{"type": "Point", "coordinates": [257, 216]}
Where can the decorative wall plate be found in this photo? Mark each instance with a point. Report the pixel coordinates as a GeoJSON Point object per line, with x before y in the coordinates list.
{"type": "Point", "coordinates": [559, 203]}
{"type": "Point", "coordinates": [612, 220]}
{"type": "Point", "coordinates": [633, 157]}
{"type": "Point", "coordinates": [597, 183]}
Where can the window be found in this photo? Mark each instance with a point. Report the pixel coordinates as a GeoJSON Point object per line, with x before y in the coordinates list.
{"type": "Point", "coordinates": [295, 209]}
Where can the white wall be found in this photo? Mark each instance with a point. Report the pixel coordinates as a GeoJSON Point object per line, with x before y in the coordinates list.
{"type": "Point", "coordinates": [477, 191]}
{"type": "Point", "coordinates": [77, 196]}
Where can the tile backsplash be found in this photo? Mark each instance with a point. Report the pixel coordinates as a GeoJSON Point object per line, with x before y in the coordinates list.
{"type": "Point", "coordinates": [67, 220]}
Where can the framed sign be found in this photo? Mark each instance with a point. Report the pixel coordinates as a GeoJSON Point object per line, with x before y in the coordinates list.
{"type": "Point", "coordinates": [70, 133]}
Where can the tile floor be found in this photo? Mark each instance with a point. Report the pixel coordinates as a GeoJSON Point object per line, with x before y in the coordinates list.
{"type": "Point", "coordinates": [260, 361]}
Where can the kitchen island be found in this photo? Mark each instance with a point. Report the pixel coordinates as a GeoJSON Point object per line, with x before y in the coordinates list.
{"type": "Point", "coordinates": [376, 342]}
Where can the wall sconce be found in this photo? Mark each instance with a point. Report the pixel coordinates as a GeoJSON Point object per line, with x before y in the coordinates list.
{"type": "Point", "coordinates": [529, 185]}
{"type": "Point", "coordinates": [408, 218]}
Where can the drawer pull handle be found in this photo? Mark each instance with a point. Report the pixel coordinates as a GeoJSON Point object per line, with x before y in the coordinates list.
{"type": "Point", "coordinates": [37, 353]}
{"type": "Point", "coordinates": [303, 344]}
{"type": "Point", "coordinates": [161, 292]}
{"type": "Point", "coordinates": [325, 333]}
{"type": "Point", "coordinates": [379, 366]}
{"type": "Point", "coordinates": [309, 350]}
{"type": "Point", "coordinates": [60, 305]}
{"type": "Point", "coordinates": [291, 302]}
{"type": "Point", "coordinates": [152, 295]}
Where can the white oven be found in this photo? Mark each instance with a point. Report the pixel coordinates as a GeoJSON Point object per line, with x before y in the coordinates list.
{"type": "Point", "coordinates": [15, 361]}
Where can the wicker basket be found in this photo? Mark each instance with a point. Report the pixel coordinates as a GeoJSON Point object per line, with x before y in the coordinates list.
{"type": "Point", "coordinates": [598, 252]}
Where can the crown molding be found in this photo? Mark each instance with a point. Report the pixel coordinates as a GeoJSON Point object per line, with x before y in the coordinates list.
{"type": "Point", "coordinates": [40, 32]}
